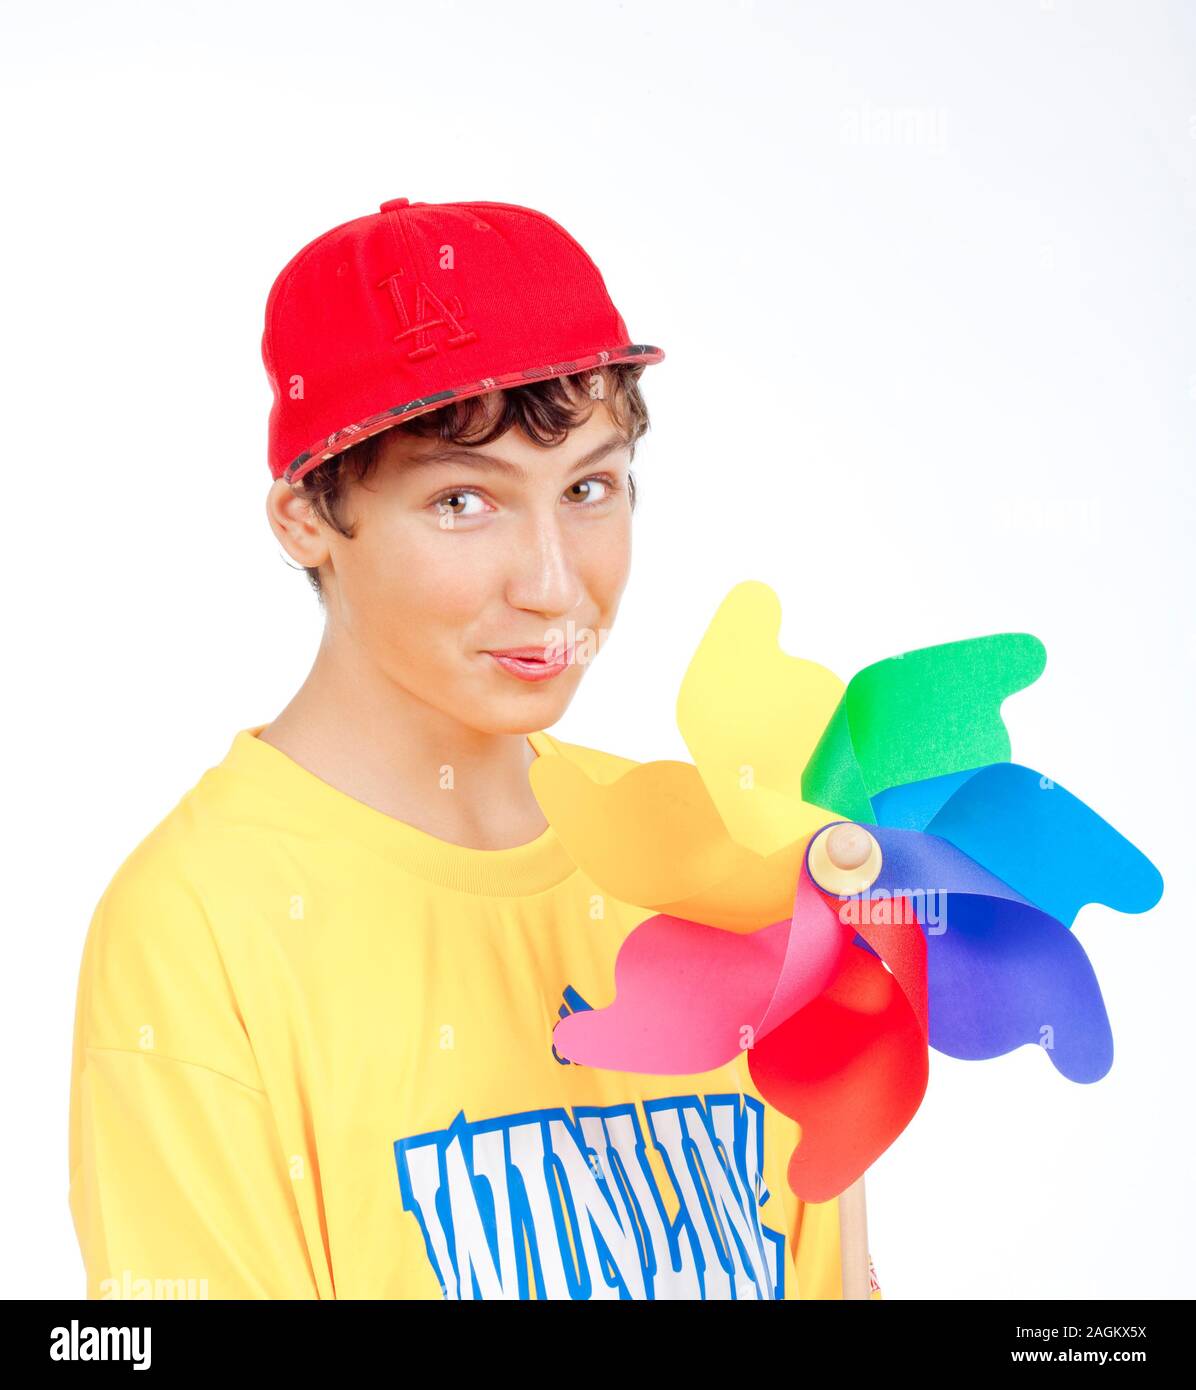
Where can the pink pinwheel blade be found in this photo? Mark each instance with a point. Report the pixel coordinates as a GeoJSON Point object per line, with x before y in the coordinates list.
{"type": "Point", "coordinates": [689, 997]}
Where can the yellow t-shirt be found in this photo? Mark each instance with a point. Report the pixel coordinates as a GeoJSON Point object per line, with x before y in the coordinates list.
{"type": "Point", "coordinates": [313, 1059]}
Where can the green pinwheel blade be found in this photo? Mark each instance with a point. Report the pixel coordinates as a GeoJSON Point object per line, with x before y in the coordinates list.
{"type": "Point", "coordinates": [924, 714]}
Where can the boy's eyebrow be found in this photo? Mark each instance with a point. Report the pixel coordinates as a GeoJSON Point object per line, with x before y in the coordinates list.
{"type": "Point", "coordinates": [474, 458]}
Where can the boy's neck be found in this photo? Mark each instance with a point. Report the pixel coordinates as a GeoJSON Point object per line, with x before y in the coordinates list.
{"type": "Point", "coordinates": [383, 746]}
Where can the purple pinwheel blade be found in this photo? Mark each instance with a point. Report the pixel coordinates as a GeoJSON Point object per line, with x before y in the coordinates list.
{"type": "Point", "coordinates": [1001, 972]}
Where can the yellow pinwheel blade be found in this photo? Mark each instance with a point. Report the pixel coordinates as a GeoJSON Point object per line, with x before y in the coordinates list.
{"type": "Point", "coordinates": [751, 715]}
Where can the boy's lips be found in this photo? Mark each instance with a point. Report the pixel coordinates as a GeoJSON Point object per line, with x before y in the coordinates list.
{"type": "Point", "coordinates": [533, 663]}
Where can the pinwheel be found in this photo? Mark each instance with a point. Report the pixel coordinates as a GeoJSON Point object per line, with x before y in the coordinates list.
{"type": "Point", "coordinates": [844, 877]}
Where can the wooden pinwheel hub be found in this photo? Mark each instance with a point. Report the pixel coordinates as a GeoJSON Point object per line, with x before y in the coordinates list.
{"type": "Point", "coordinates": [844, 859]}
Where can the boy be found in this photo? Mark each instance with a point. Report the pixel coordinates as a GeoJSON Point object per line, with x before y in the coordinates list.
{"type": "Point", "coordinates": [313, 1042]}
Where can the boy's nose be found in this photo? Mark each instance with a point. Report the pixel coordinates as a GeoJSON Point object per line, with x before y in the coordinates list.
{"type": "Point", "coordinates": [541, 572]}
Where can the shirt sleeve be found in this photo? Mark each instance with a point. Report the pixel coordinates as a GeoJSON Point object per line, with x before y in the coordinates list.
{"type": "Point", "coordinates": [179, 1183]}
{"type": "Point", "coordinates": [817, 1252]}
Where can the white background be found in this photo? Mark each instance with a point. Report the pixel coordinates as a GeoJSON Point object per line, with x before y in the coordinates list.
{"type": "Point", "coordinates": [924, 276]}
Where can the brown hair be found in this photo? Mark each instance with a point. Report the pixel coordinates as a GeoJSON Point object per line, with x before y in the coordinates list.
{"type": "Point", "coordinates": [544, 410]}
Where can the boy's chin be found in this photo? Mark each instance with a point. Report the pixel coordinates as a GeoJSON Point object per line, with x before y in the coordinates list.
{"type": "Point", "coordinates": [527, 710]}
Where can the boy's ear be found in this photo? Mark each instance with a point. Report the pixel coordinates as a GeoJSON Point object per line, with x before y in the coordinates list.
{"type": "Point", "coordinates": [295, 525]}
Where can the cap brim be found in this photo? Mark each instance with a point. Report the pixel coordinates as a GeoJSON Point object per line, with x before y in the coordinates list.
{"type": "Point", "coordinates": [343, 439]}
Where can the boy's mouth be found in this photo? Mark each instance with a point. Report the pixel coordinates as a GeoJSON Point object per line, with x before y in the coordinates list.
{"type": "Point", "coordinates": [533, 663]}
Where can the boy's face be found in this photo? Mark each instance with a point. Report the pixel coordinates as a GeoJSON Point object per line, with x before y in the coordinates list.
{"type": "Point", "coordinates": [460, 552]}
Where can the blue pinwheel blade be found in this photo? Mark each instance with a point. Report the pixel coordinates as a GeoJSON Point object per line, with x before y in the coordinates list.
{"type": "Point", "coordinates": [1045, 843]}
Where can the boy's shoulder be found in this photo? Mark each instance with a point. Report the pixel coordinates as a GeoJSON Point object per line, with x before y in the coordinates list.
{"type": "Point", "coordinates": [154, 976]}
{"type": "Point", "coordinates": [159, 891]}
{"type": "Point", "coordinates": [158, 885]}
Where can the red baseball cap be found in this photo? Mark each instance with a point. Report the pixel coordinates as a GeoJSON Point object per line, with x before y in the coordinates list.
{"type": "Point", "coordinates": [418, 304]}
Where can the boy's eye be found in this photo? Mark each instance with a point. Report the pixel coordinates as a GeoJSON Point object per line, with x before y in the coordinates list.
{"type": "Point", "coordinates": [604, 483]}
{"type": "Point", "coordinates": [450, 497]}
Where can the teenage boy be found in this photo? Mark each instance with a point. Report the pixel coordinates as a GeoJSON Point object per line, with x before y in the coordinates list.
{"type": "Point", "coordinates": [313, 1041]}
